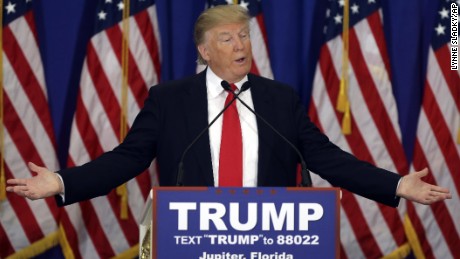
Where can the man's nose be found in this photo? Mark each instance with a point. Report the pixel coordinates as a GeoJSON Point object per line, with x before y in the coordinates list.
{"type": "Point", "coordinates": [238, 44]}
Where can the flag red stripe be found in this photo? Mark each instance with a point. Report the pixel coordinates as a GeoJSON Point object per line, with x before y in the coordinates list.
{"type": "Point", "coordinates": [135, 80]}
{"type": "Point", "coordinates": [349, 204]}
{"type": "Point", "coordinates": [26, 148]}
{"type": "Point", "coordinates": [27, 79]}
{"type": "Point", "coordinates": [359, 225]}
{"type": "Point", "coordinates": [147, 31]}
{"type": "Point", "coordinates": [447, 145]}
{"type": "Point", "coordinates": [87, 132]}
{"type": "Point", "coordinates": [102, 86]}
{"type": "Point", "coordinates": [24, 213]}
{"type": "Point", "coordinates": [313, 113]}
{"type": "Point", "coordinates": [94, 227]}
{"type": "Point", "coordinates": [359, 147]}
{"type": "Point", "coordinates": [127, 226]}
{"type": "Point", "coordinates": [420, 231]}
{"type": "Point", "coordinates": [343, 254]}
{"type": "Point", "coordinates": [109, 102]}
{"type": "Point", "coordinates": [452, 77]}
{"type": "Point", "coordinates": [376, 27]}
{"type": "Point", "coordinates": [254, 68]}
{"type": "Point", "coordinates": [29, 18]}
{"type": "Point", "coordinates": [260, 21]}
{"type": "Point", "coordinates": [94, 148]}
{"type": "Point", "coordinates": [5, 244]}
{"type": "Point", "coordinates": [440, 212]}
{"type": "Point", "coordinates": [376, 106]}
{"type": "Point", "coordinates": [144, 182]}
{"type": "Point", "coordinates": [383, 124]}
{"type": "Point", "coordinates": [70, 233]}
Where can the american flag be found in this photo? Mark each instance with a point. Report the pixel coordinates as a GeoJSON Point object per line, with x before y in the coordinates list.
{"type": "Point", "coordinates": [261, 60]}
{"type": "Point", "coordinates": [368, 229]}
{"type": "Point", "coordinates": [437, 147]}
{"type": "Point", "coordinates": [27, 228]}
{"type": "Point", "coordinates": [95, 228]}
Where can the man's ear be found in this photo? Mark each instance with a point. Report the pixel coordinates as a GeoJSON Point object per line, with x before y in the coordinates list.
{"type": "Point", "coordinates": [203, 51]}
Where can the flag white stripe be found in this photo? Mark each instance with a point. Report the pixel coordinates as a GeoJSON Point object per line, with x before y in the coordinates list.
{"type": "Point", "coordinates": [139, 50]}
{"type": "Point", "coordinates": [325, 108]}
{"type": "Point", "coordinates": [366, 124]}
{"type": "Point", "coordinates": [13, 227]}
{"type": "Point", "coordinates": [77, 149]}
{"type": "Point", "coordinates": [433, 232]}
{"type": "Point", "coordinates": [368, 208]}
{"type": "Point", "coordinates": [259, 50]}
{"type": "Point", "coordinates": [85, 244]}
{"type": "Point", "coordinates": [26, 41]}
{"type": "Point", "coordinates": [437, 162]}
{"type": "Point", "coordinates": [110, 224]}
{"type": "Point", "coordinates": [152, 11]}
{"type": "Point", "coordinates": [350, 243]}
{"type": "Point", "coordinates": [97, 116]}
{"type": "Point", "coordinates": [113, 72]}
{"type": "Point", "coordinates": [440, 88]}
{"type": "Point", "coordinates": [29, 118]}
{"type": "Point", "coordinates": [377, 70]}
{"type": "Point", "coordinates": [326, 112]}
{"type": "Point", "coordinates": [40, 209]}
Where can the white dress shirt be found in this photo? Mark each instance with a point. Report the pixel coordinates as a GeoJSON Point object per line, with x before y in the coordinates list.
{"type": "Point", "coordinates": [216, 102]}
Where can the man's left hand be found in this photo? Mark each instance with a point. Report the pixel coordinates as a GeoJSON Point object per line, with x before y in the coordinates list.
{"type": "Point", "coordinates": [414, 189]}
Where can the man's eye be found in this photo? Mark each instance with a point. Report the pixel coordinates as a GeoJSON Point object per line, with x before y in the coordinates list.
{"type": "Point", "coordinates": [226, 39]}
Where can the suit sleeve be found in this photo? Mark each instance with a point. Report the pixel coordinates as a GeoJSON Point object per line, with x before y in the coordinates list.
{"type": "Point", "coordinates": [99, 176]}
{"type": "Point", "coordinates": [339, 168]}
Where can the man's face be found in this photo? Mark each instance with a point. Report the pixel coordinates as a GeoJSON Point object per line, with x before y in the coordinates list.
{"type": "Point", "coordinates": [227, 50]}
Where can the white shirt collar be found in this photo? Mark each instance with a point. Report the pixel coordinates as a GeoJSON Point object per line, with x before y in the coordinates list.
{"type": "Point", "coordinates": [214, 86]}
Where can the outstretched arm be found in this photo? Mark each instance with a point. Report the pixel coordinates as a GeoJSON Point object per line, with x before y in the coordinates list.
{"type": "Point", "coordinates": [414, 189]}
{"type": "Point", "coordinates": [44, 184]}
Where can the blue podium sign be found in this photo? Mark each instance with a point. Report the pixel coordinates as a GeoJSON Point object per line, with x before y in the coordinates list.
{"type": "Point", "coordinates": [245, 223]}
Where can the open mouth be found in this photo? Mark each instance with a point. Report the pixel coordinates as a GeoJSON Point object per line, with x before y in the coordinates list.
{"type": "Point", "coordinates": [240, 60]}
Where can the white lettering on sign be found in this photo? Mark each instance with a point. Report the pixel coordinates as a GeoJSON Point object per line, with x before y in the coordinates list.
{"type": "Point", "coordinates": [223, 217]}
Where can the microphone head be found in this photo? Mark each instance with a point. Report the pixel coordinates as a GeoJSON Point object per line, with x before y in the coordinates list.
{"type": "Point", "coordinates": [225, 85]}
{"type": "Point", "coordinates": [245, 86]}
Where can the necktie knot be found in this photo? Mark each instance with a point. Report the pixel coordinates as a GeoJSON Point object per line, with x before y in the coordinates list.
{"type": "Point", "coordinates": [233, 87]}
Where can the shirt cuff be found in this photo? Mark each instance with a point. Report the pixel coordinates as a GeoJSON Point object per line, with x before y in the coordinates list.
{"type": "Point", "coordinates": [397, 187]}
{"type": "Point", "coordinates": [62, 194]}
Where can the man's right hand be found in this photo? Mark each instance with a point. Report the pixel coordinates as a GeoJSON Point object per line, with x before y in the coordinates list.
{"type": "Point", "coordinates": [44, 184]}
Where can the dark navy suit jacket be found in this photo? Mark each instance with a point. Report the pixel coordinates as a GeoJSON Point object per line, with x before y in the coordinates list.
{"type": "Point", "coordinates": [175, 112]}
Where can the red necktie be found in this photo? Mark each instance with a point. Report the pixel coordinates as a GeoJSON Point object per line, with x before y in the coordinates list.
{"type": "Point", "coordinates": [231, 147]}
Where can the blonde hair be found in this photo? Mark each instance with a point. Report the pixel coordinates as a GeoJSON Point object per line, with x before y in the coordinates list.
{"type": "Point", "coordinates": [218, 15]}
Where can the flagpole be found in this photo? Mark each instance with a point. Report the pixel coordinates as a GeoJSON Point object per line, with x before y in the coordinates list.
{"type": "Point", "coordinates": [343, 104]}
{"type": "Point", "coordinates": [122, 190]}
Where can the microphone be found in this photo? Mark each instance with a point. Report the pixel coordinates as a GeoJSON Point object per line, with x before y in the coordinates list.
{"type": "Point", "coordinates": [305, 173]}
{"type": "Point", "coordinates": [180, 170]}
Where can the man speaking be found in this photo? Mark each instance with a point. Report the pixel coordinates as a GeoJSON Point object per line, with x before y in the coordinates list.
{"type": "Point", "coordinates": [225, 127]}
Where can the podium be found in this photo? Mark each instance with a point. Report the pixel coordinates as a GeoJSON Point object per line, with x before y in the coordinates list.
{"type": "Point", "coordinates": [251, 223]}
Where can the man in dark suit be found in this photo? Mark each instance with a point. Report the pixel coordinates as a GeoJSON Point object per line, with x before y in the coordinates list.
{"type": "Point", "coordinates": [176, 112]}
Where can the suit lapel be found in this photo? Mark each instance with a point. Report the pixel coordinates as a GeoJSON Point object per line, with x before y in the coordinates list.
{"type": "Point", "coordinates": [261, 100]}
{"type": "Point", "coordinates": [195, 105]}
